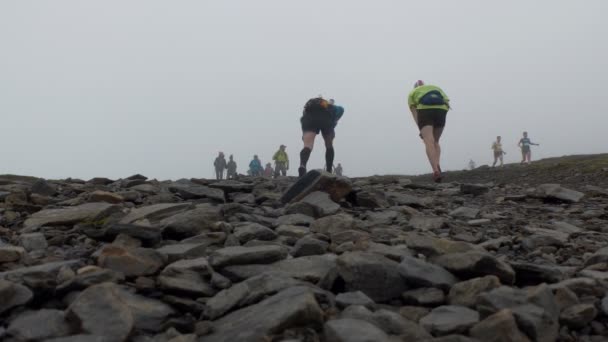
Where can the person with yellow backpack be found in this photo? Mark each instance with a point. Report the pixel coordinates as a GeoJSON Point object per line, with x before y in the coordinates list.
{"type": "Point", "coordinates": [281, 162]}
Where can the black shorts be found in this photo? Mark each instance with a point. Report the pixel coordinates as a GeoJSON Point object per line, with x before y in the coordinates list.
{"type": "Point", "coordinates": [318, 124]}
{"type": "Point", "coordinates": [431, 117]}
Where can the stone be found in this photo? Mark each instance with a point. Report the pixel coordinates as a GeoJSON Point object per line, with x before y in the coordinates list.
{"type": "Point", "coordinates": [321, 203]}
{"type": "Point", "coordinates": [148, 314]}
{"type": "Point", "coordinates": [232, 186]}
{"type": "Point", "coordinates": [294, 220]}
{"type": "Point", "coordinates": [419, 273]}
{"type": "Point", "coordinates": [42, 187]}
{"type": "Point", "coordinates": [565, 298]}
{"type": "Point", "coordinates": [68, 216]}
{"type": "Point", "coordinates": [334, 224]}
{"type": "Point", "coordinates": [11, 253]}
{"type": "Point", "coordinates": [293, 231]}
{"type": "Point", "coordinates": [474, 264]}
{"type": "Point", "coordinates": [353, 330]}
{"type": "Point", "coordinates": [449, 319]}
{"type": "Point", "coordinates": [189, 277]}
{"type": "Point", "coordinates": [147, 235]}
{"type": "Point", "coordinates": [474, 189]}
{"type": "Point", "coordinates": [578, 316]}
{"type": "Point", "coordinates": [537, 323]}
{"type": "Point", "coordinates": [33, 241]}
{"type": "Point", "coordinates": [503, 297]}
{"type": "Point", "coordinates": [201, 219]}
{"type": "Point", "coordinates": [403, 199]}
{"type": "Point", "coordinates": [427, 222]}
{"type": "Point", "coordinates": [346, 299]}
{"type": "Point", "coordinates": [499, 327]}
{"type": "Point", "coordinates": [179, 251]}
{"type": "Point", "coordinates": [558, 193]}
{"type": "Point", "coordinates": [13, 295]}
{"type": "Point", "coordinates": [105, 196]}
{"type": "Point", "coordinates": [99, 311]}
{"type": "Point", "coordinates": [372, 274]}
{"type": "Point", "coordinates": [248, 292]}
{"type": "Point", "coordinates": [337, 187]}
{"type": "Point", "coordinates": [295, 306]}
{"type": "Point", "coordinates": [424, 297]}
{"type": "Point", "coordinates": [188, 190]}
{"type": "Point", "coordinates": [50, 268]}
{"type": "Point", "coordinates": [600, 256]}
{"type": "Point", "coordinates": [582, 287]}
{"type": "Point", "coordinates": [131, 261]}
{"type": "Point", "coordinates": [465, 293]}
{"type": "Point", "coordinates": [533, 273]}
{"type": "Point", "coordinates": [91, 277]}
{"type": "Point", "coordinates": [247, 255]}
{"type": "Point", "coordinates": [154, 212]}
{"type": "Point", "coordinates": [253, 231]}
{"type": "Point", "coordinates": [604, 305]}
{"type": "Point", "coordinates": [413, 313]}
{"type": "Point", "coordinates": [39, 325]}
{"type": "Point", "coordinates": [309, 246]}
{"type": "Point", "coordinates": [372, 198]}
{"type": "Point", "coordinates": [464, 213]}
{"type": "Point", "coordinates": [431, 247]}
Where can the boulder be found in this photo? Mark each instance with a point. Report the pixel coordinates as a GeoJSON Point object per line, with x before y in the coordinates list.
{"type": "Point", "coordinates": [12, 295]}
{"type": "Point", "coordinates": [71, 215]}
{"type": "Point", "coordinates": [474, 264]}
{"type": "Point", "coordinates": [419, 273]}
{"type": "Point", "coordinates": [39, 325]}
{"type": "Point", "coordinates": [449, 319]}
{"type": "Point", "coordinates": [131, 261]}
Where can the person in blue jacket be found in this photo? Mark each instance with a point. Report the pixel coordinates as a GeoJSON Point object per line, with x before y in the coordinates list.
{"type": "Point", "coordinates": [255, 167]}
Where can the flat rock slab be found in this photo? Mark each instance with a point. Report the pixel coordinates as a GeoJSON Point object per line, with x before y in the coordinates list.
{"type": "Point", "coordinates": [295, 306]}
{"type": "Point", "coordinates": [336, 187]}
{"type": "Point", "coordinates": [417, 272]}
{"type": "Point", "coordinates": [39, 325]}
{"type": "Point", "coordinates": [12, 295]}
{"type": "Point", "coordinates": [559, 193]}
{"type": "Point", "coordinates": [71, 215]}
{"type": "Point", "coordinates": [155, 212]}
{"type": "Point", "coordinates": [247, 255]}
{"type": "Point", "coordinates": [353, 330]}
{"type": "Point", "coordinates": [189, 191]}
{"type": "Point", "coordinates": [449, 319]}
{"type": "Point", "coordinates": [475, 264]}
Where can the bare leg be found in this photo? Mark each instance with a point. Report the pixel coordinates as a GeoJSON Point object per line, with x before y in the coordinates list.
{"type": "Point", "coordinates": [329, 151]}
{"type": "Point", "coordinates": [501, 160]}
{"type": "Point", "coordinates": [430, 145]}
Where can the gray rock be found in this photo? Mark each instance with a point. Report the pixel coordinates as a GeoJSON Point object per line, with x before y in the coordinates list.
{"type": "Point", "coordinates": [499, 327]}
{"type": "Point", "coordinates": [604, 305]}
{"type": "Point", "coordinates": [155, 212]}
{"type": "Point", "coordinates": [336, 187]}
{"type": "Point", "coordinates": [50, 268]}
{"type": "Point", "coordinates": [294, 220]}
{"type": "Point", "coordinates": [309, 246]}
{"type": "Point", "coordinates": [189, 277]}
{"type": "Point", "coordinates": [346, 299]}
{"type": "Point", "coordinates": [89, 278]}
{"type": "Point", "coordinates": [353, 330]}
{"type": "Point", "coordinates": [232, 186]}
{"type": "Point", "coordinates": [148, 314]}
{"type": "Point", "coordinates": [33, 241]}
{"type": "Point", "coordinates": [578, 316]}
{"type": "Point", "coordinates": [474, 189]}
{"type": "Point", "coordinates": [38, 325]}
{"type": "Point", "coordinates": [536, 323]}
{"type": "Point", "coordinates": [42, 187]}
{"type": "Point", "coordinates": [582, 287]}
{"type": "Point", "coordinates": [12, 295]}
{"type": "Point", "coordinates": [427, 222]}
{"type": "Point", "coordinates": [430, 246]}
{"type": "Point", "coordinates": [188, 190]}
{"type": "Point", "coordinates": [179, 251]}
{"type": "Point", "coordinates": [424, 297]}
{"type": "Point", "coordinates": [399, 198]}
{"type": "Point", "coordinates": [372, 198]}
{"type": "Point", "coordinates": [100, 311]}
{"type": "Point", "coordinates": [11, 253]}
{"type": "Point", "coordinates": [557, 192]}
{"type": "Point", "coordinates": [564, 298]}
{"type": "Point", "coordinates": [372, 274]}
{"type": "Point", "coordinates": [465, 213]}
{"type": "Point", "coordinates": [247, 255]}
{"type": "Point", "coordinates": [504, 297]}
{"type": "Point", "coordinates": [293, 231]}
{"type": "Point", "coordinates": [465, 293]}
{"type": "Point", "coordinates": [71, 215]}
{"type": "Point", "coordinates": [394, 324]}
{"type": "Point", "coordinates": [475, 264]}
{"type": "Point", "coordinates": [600, 256]}
{"type": "Point", "coordinates": [413, 313]}
{"type": "Point", "coordinates": [248, 292]}
{"type": "Point", "coordinates": [81, 338]}
{"type": "Point", "coordinates": [534, 273]}
{"type": "Point", "coordinates": [148, 235]}
{"type": "Point", "coordinates": [131, 261]}
{"type": "Point", "coordinates": [254, 231]}
{"type": "Point", "coordinates": [334, 224]}
{"type": "Point", "coordinates": [419, 273]}
{"type": "Point", "coordinates": [321, 204]}
{"type": "Point", "coordinates": [193, 222]}
{"type": "Point", "coordinates": [295, 306]}
{"type": "Point", "coordinates": [449, 319]}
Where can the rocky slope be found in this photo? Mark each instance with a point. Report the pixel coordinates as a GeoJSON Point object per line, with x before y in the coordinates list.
{"type": "Point", "coordinates": [373, 259]}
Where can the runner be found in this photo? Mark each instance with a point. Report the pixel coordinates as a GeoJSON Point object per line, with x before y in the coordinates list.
{"type": "Point", "coordinates": [429, 106]}
{"type": "Point", "coordinates": [281, 162]}
{"type": "Point", "coordinates": [220, 166]}
{"type": "Point", "coordinates": [318, 117]}
{"type": "Point", "coordinates": [526, 153]}
{"type": "Point", "coordinates": [231, 168]}
{"type": "Point", "coordinates": [498, 152]}
{"type": "Point", "coordinates": [255, 167]}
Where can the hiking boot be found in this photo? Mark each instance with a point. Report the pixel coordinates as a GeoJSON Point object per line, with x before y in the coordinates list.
{"type": "Point", "coordinates": [301, 171]}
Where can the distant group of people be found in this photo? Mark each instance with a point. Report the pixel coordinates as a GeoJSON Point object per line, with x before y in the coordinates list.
{"type": "Point", "coordinates": [524, 144]}
{"type": "Point", "coordinates": [281, 166]}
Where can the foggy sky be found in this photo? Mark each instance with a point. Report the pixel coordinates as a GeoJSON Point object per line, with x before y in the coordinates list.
{"type": "Point", "coordinates": [112, 88]}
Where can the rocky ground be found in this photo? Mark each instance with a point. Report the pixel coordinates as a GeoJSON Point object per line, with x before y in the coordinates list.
{"type": "Point", "coordinates": [498, 256]}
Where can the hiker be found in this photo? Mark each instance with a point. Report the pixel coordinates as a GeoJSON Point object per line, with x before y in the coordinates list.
{"type": "Point", "coordinates": [255, 167]}
{"type": "Point", "coordinates": [498, 151]}
{"type": "Point", "coordinates": [268, 171]}
{"type": "Point", "coordinates": [220, 166]}
{"type": "Point", "coordinates": [281, 162]}
{"type": "Point", "coordinates": [319, 117]}
{"type": "Point", "coordinates": [526, 153]}
{"type": "Point", "coordinates": [231, 168]}
{"type": "Point", "coordinates": [429, 106]}
{"type": "Point", "coordinates": [339, 170]}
